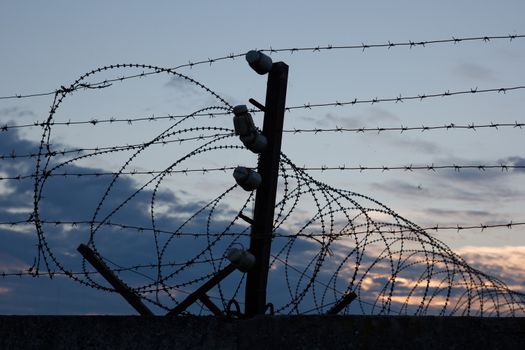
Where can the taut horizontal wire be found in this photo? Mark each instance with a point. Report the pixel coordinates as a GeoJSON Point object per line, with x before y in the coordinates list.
{"type": "Point", "coordinates": [457, 227]}
{"type": "Point", "coordinates": [15, 156]}
{"type": "Point", "coordinates": [383, 168]}
{"type": "Point", "coordinates": [389, 45]}
{"type": "Point", "coordinates": [400, 98]}
{"type": "Point", "coordinates": [402, 128]}
{"type": "Point", "coordinates": [95, 121]}
{"type": "Point", "coordinates": [319, 48]}
{"type": "Point", "coordinates": [308, 105]}
{"type": "Point", "coordinates": [84, 273]}
{"type": "Point", "coordinates": [431, 167]}
{"type": "Point", "coordinates": [120, 226]}
{"type": "Point", "coordinates": [482, 227]}
{"type": "Point", "coordinates": [378, 129]}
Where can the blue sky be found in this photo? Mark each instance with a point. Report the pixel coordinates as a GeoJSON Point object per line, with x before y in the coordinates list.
{"type": "Point", "coordinates": [49, 45]}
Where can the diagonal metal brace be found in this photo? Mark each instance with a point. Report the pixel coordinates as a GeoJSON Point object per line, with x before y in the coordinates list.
{"type": "Point", "coordinates": [345, 301]}
{"type": "Point", "coordinates": [200, 294]}
{"type": "Point", "coordinates": [132, 298]}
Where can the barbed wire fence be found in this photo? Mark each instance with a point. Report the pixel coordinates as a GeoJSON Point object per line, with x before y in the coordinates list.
{"type": "Point", "coordinates": [327, 242]}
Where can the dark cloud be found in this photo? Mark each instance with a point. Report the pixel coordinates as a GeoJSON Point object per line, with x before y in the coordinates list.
{"type": "Point", "coordinates": [514, 161]}
{"type": "Point", "coordinates": [76, 199]}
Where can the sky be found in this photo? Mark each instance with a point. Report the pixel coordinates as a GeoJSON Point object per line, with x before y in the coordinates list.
{"type": "Point", "coordinates": [49, 45]}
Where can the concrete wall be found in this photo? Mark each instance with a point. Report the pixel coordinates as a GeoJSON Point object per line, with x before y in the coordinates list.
{"type": "Point", "coordinates": [297, 332]}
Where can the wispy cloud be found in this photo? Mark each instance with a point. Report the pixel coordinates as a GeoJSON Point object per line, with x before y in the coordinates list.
{"type": "Point", "coordinates": [16, 112]}
{"type": "Point", "coordinates": [416, 145]}
{"type": "Point", "coordinates": [370, 118]}
{"type": "Point", "coordinates": [476, 72]}
{"type": "Point", "coordinates": [183, 86]}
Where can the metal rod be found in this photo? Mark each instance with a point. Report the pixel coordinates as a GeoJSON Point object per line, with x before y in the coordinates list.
{"type": "Point", "coordinates": [347, 299]}
{"type": "Point", "coordinates": [132, 298]}
{"type": "Point", "coordinates": [257, 104]}
{"type": "Point", "coordinates": [262, 227]}
{"type": "Point", "coordinates": [245, 218]}
{"type": "Point", "coordinates": [210, 305]}
{"type": "Point", "coordinates": [212, 282]}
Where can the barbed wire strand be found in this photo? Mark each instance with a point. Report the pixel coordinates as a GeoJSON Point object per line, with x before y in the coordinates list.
{"type": "Point", "coordinates": [318, 48]}
{"type": "Point", "coordinates": [308, 105]}
{"type": "Point", "coordinates": [322, 168]}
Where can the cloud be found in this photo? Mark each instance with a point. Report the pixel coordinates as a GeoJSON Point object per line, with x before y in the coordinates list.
{"type": "Point", "coordinates": [76, 201]}
{"type": "Point", "coordinates": [16, 112]}
{"type": "Point", "coordinates": [464, 184]}
{"type": "Point", "coordinates": [372, 117]}
{"type": "Point", "coordinates": [505, 262]}
{"type": "Point", "coordinates": [514, 161]}
{"type": "Point", "coordinates": [474, 214]}
{"type": "Point", "coordinates": [473, 71]}
{"type": "Point", "coordinates": [455, 188]}
{"type": "Point", "coordinates": [416, 145]}
{"type": "Point", "coordinates": [376, 117]}
{"type": "Point", "coordinates": [480, 174]}
{"type": "Point", "coordinates": [183, 86]}
{"type": "Point", "coordinates": [423, 280]}
{"type": "Point", "coordinates": [400, 187]}
{"type": "Point", "coordinates": [185, 92]}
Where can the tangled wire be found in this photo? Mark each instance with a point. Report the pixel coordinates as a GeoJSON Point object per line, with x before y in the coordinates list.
{"type": "Point", "coordinates": [327, 242]}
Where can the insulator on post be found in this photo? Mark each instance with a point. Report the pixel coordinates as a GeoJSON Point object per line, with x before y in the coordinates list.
{"type": "Point", "coordinates": [245, 128]}
{"type": "Point", "coordinates": [248, 179]}
{"type": "Point", "coordinates": [255, 142]}
{"type": "Point", "coordinates": [243, 259]}
{"type": "Point", "coordinates": [242, 121]}
{"type": "Point", "coordinates": [259, 62]}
